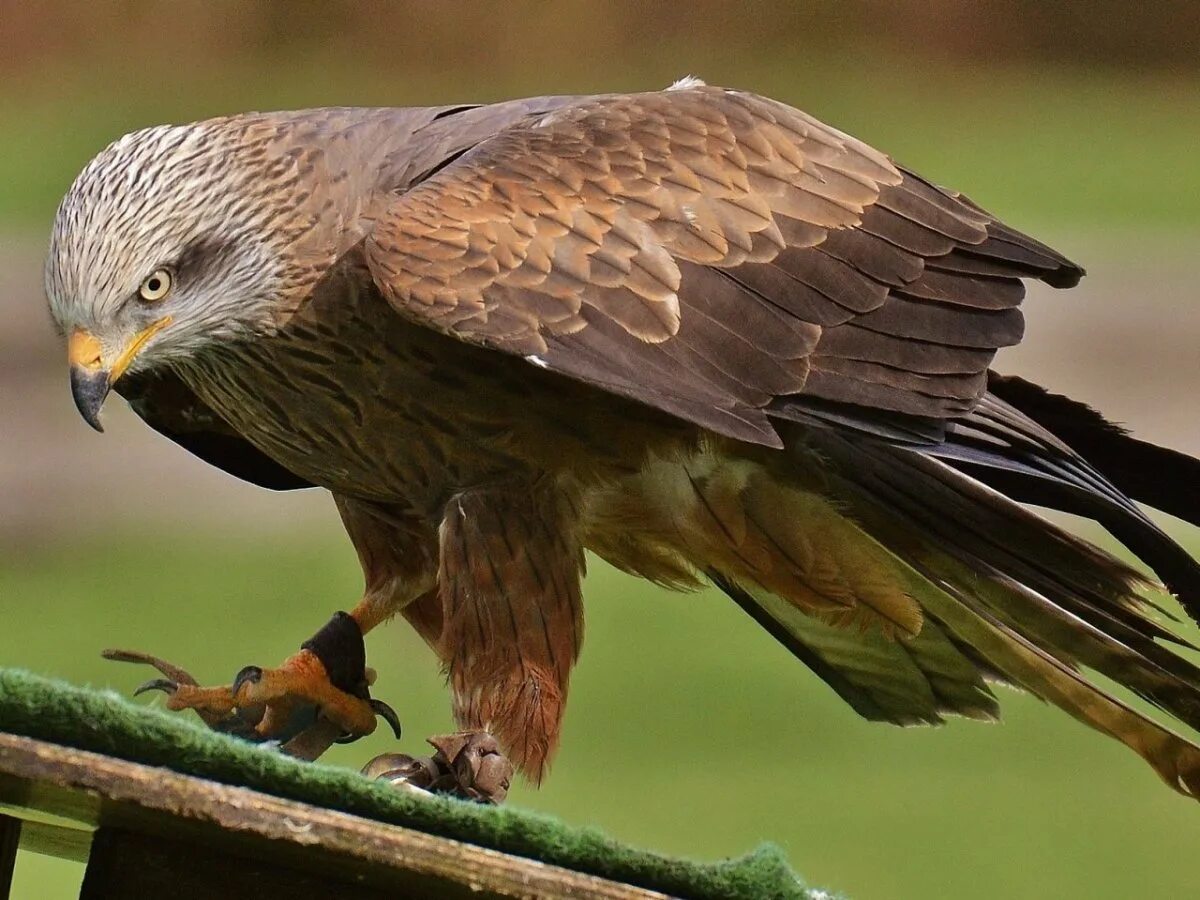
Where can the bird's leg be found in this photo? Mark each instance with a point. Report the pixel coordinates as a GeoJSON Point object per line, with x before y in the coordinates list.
{"type": "Point", "coordinates": [469, 765]}
{"type": "Point", "coordinates": [506, 620]}
{"type": "Point", "coordinates": [509, 573]}
{"type": "Point", "coordinates": [327, 678]}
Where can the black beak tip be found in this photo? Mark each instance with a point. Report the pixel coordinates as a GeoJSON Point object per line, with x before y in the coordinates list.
{"type": "Point", "coordinates": [89, 388]}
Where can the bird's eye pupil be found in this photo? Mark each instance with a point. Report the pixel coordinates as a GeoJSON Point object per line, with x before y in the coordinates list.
{"type": "Point", "coordinates": [156, 286]}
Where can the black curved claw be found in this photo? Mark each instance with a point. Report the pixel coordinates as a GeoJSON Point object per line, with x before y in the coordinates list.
{"type": "Point", "coordinates": [248, 675]}
{"type": "Point", "coordinates": [384, 712]}
{"type": "Point", "coordinates": [388, 715]}
{"type": "Point", "coordinates": [157, 684]}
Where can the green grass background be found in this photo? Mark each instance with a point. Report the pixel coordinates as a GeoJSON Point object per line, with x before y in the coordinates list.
{"type": "Point", "coordinates": [689, 730]}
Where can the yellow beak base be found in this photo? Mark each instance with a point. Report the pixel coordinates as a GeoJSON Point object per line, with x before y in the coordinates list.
{"type": "Point", "coordinates": [90, 380]}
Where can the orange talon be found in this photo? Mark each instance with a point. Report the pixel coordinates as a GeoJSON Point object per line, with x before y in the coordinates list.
{"type": "Point", "coordinates": [302, 677]}
{"type": "Point", "coordinates": [318, 696]}
{"type": "Point", "coordinates": [215, 700]}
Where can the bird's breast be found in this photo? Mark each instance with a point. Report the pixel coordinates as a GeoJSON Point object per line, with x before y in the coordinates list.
{"type": "Point", "coordinates": [364, 403]}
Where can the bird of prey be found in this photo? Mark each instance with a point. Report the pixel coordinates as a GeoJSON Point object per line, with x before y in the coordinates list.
{"type": "Point", "coordinates": [694, 331]}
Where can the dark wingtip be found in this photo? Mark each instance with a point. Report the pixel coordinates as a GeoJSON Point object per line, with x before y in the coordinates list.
{"type": "Point", "coordinates": [1160, 477]}
{"type": "Point", "coordinates": [1066, 275]}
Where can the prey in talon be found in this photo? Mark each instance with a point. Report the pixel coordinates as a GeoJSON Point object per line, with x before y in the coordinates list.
{"type": "Point", "coordinates": [694, 331]}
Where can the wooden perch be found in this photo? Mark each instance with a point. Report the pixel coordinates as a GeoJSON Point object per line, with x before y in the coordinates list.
{"type": "Point", "coordinates": [146, 831]}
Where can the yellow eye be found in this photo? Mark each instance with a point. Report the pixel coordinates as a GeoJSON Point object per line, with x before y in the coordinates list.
{"type": "Point", "coordinates": [156, 286]}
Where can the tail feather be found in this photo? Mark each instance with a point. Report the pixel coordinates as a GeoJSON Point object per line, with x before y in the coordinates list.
{"type": "Point", "coordinates": [906, 583]}
{"type": "Point", "coordinates": [1002, 592]}
{"type": "Point", "coordinates": [955, 510]}
{"type": "Point", "coordinates": [1162, 478]}
{"type": "Point", "coordinates": [911, 681]}
{"type": "Point", "coordinates": [1042, 448]}
{"type": "Point", "coordinates": [1009, 589]}
{"type": "Point", "coordinates": [977, 621]}
{"type": "Point", "coordinates": [1098, 624]}
{"type": "Point", "coordinates": [1046, 674]}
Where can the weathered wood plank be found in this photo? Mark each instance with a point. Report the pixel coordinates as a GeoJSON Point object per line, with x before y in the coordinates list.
{"type": "Point", "coordinates": [93, 790]}
{"type": "Point", "coordinates": [129, 864]}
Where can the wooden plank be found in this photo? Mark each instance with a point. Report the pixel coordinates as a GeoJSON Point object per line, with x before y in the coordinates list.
{"type": "Point", "coordinates": [129, 864]}
{"type": "Point", "coordinates": [92, 790]}
{"type": "Point", "coordinates": [10, 840]}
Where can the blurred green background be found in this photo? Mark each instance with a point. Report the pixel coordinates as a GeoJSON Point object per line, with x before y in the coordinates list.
{"type": "Point", "coordinates": [690, 730]}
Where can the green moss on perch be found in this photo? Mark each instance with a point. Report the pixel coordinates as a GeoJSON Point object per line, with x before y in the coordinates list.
{"type": "Point", "coordinates": [104, 723]}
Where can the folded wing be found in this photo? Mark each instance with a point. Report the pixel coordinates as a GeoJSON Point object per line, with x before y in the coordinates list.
{"type": "Point", "coordinates": [711, 253]}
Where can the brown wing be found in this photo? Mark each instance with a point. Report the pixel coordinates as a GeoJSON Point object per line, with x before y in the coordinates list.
{"type": "Point", "coordinates": [713, 254]}
{"type": "Point", "coordinates": [172, 409]}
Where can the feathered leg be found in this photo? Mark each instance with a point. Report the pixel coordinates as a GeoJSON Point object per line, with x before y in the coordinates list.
{"type": "Point", "coordinates": [509, 581]}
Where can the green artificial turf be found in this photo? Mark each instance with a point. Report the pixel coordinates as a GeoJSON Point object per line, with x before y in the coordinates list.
{"type": "Point", "coordinates": [102, 722]}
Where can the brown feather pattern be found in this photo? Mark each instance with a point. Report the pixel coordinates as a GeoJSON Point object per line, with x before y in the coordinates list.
{"type": "Point", "coordinates": [509, 579]}
{"type": "Point", "coordinates": [616, 235]}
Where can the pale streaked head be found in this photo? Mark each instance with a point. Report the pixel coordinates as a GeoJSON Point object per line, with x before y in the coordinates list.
{"type": "Point", "coordinates": [168, 241]}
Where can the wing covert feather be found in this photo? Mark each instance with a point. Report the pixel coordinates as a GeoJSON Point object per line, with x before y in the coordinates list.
{"type": "Point", "coordinates": [711, 253]}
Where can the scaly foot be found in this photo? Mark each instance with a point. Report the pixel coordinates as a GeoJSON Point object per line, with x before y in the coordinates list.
{"type": "Point", "coordinates": [468, 764]}
{"type": "Point", "coordinates": [318, 695]}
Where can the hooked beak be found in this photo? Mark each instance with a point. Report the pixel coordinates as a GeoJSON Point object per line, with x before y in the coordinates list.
{"type": "Point", "coordinates": [91, 379]}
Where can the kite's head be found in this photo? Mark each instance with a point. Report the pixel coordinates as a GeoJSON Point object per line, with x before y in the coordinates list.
{"type": "Point", "coordinates": [158, 252]}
